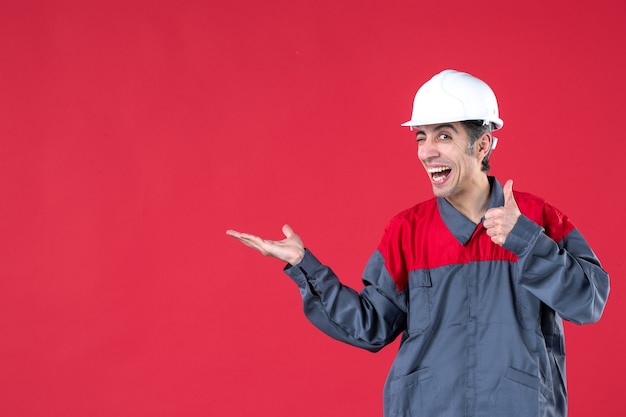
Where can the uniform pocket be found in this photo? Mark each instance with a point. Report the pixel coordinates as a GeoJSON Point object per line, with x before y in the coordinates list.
{"type": "Point", "coordinates": [517, 395]}
{"type": "Point", "coordinates": [420, 285]}
{"type": "Point", "coordinates": [407, 394]}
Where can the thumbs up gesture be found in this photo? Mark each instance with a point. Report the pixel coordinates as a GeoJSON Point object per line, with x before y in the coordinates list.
{"type": "Point", "coordinates": [499, 221]}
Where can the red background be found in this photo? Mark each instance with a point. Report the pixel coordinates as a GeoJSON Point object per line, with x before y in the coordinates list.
{"type": "Point", "coordinates": [134, 133]}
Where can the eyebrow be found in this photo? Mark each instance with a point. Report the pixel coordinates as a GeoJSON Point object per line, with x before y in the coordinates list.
{"type": "Point", "coordinates": [439, 127]}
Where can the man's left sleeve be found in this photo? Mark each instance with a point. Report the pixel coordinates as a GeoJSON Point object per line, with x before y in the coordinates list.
{"type": "Point", "coordinates": [563, 272]}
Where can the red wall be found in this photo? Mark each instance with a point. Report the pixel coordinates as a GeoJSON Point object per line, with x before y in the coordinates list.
{"type": "Point", "coordinates": [134, 133]}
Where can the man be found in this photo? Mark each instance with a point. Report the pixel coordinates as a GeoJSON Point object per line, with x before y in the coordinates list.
{"type": "Point", "coordinates": [476, 280]}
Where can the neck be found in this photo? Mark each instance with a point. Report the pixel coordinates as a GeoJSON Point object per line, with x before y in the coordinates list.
{"type": "Point", "coordinates": [473, 202]}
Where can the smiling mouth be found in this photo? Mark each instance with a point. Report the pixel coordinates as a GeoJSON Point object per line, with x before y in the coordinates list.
{"type": "Point", "coordinates": [438, 174]}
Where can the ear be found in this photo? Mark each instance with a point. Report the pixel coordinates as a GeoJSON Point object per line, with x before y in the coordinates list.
{"type": "Point", "coordinates": [483, 144]}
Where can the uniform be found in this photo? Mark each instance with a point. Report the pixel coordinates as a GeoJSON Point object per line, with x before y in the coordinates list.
{"type": "Point", "coordinates": [480, 324]}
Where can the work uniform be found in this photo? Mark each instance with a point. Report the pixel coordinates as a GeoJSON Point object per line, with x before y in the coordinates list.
{"type": "Point", "coordinates": [481, 325]}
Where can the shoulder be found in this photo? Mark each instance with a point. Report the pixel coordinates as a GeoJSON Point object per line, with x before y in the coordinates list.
{"type": "Point", "coordinates": [398, 242]}
{"type": "Point", "coordinates": [531, 203]}
{"type": "Point", "coordinates": [406, 222]}
{"type": "Point", "coordinates": [411, 215]}
{"type": "Point", "coordinates": [556, 224]}
{"type": "Point", "coordinates": [416, 212]}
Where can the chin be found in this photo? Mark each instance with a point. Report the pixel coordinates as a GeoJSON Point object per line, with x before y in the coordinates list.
{"type": "Point", "coordinates": [442, 191]}
{"type": "Point", "coordinates": [438, 192]}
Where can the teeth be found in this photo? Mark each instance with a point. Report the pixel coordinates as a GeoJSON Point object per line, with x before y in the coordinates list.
{"type": "Point", "coordinates": [437, 169]}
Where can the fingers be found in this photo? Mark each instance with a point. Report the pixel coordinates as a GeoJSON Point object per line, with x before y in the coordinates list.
{"type": "Point", "coordinates": [241, 236]}
{"type": "Point", "coordinates": [232, 233]}
{"type": "Point", "coordinates": [490, 214]}
{"type": "Point", "coordinates": [495, 231]}
{"type": "Point", "coordinates": [492, 225]}
{"type": "Point", "coordinates": [247, 239]}
{"type": "Point", "coordinates": [287, 231]}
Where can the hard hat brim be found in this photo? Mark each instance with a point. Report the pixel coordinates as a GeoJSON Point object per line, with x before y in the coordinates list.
{"type": "Point", "coordinates": [412, 123]}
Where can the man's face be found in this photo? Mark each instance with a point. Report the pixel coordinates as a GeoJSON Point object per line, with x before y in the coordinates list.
{"type": "Point", "coordinates": [444, 150]}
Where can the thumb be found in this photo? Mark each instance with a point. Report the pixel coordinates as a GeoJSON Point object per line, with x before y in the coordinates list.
{"type": "Point", "coordinates": [509, 199]}
{"type": "Point", "coordinates": [288, 231]}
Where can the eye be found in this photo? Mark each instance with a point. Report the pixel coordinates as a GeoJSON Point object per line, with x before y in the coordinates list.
{"type": "Point", "coordinates": [420, 138]}
{"type": "Point", "coordinates": [445, 136]}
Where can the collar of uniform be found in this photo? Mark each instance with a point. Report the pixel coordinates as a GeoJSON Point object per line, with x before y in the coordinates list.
{"type": "Point", "coordinates": [460, 226]}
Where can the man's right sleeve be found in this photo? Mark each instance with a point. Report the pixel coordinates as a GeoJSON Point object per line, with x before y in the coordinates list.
{"type": "Point", "coordinates": [370, 319]}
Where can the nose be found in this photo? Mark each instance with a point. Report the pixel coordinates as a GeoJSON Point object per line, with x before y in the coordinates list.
{"type": "Point", "coordinates": [427, 149]}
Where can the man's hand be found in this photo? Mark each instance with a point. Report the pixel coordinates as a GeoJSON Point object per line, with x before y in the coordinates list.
{"type": "Point", "coordinates": [290, 249]}
{"type": "Point", "coordinates": [499, 221]}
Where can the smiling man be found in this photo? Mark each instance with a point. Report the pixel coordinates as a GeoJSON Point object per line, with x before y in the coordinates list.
{"type": "Point", "coordinates": [476, 280]}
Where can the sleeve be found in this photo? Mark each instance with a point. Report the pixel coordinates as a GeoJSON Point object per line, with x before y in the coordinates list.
{"type": "Point", "coordinates": [556, 264]}
{"type": "Point", "coordinates": [370, 319]}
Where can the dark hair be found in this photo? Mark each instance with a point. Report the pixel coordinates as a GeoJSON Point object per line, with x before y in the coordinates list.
{"type": "Point", "coordinates": [475, 129]}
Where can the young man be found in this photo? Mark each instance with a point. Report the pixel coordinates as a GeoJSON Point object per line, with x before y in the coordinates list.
{"type": "Point", "coordinates": [476, 280]}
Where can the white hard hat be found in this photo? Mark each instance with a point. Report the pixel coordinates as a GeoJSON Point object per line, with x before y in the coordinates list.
{"type": "Point", "coordinates": [453, 96]}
